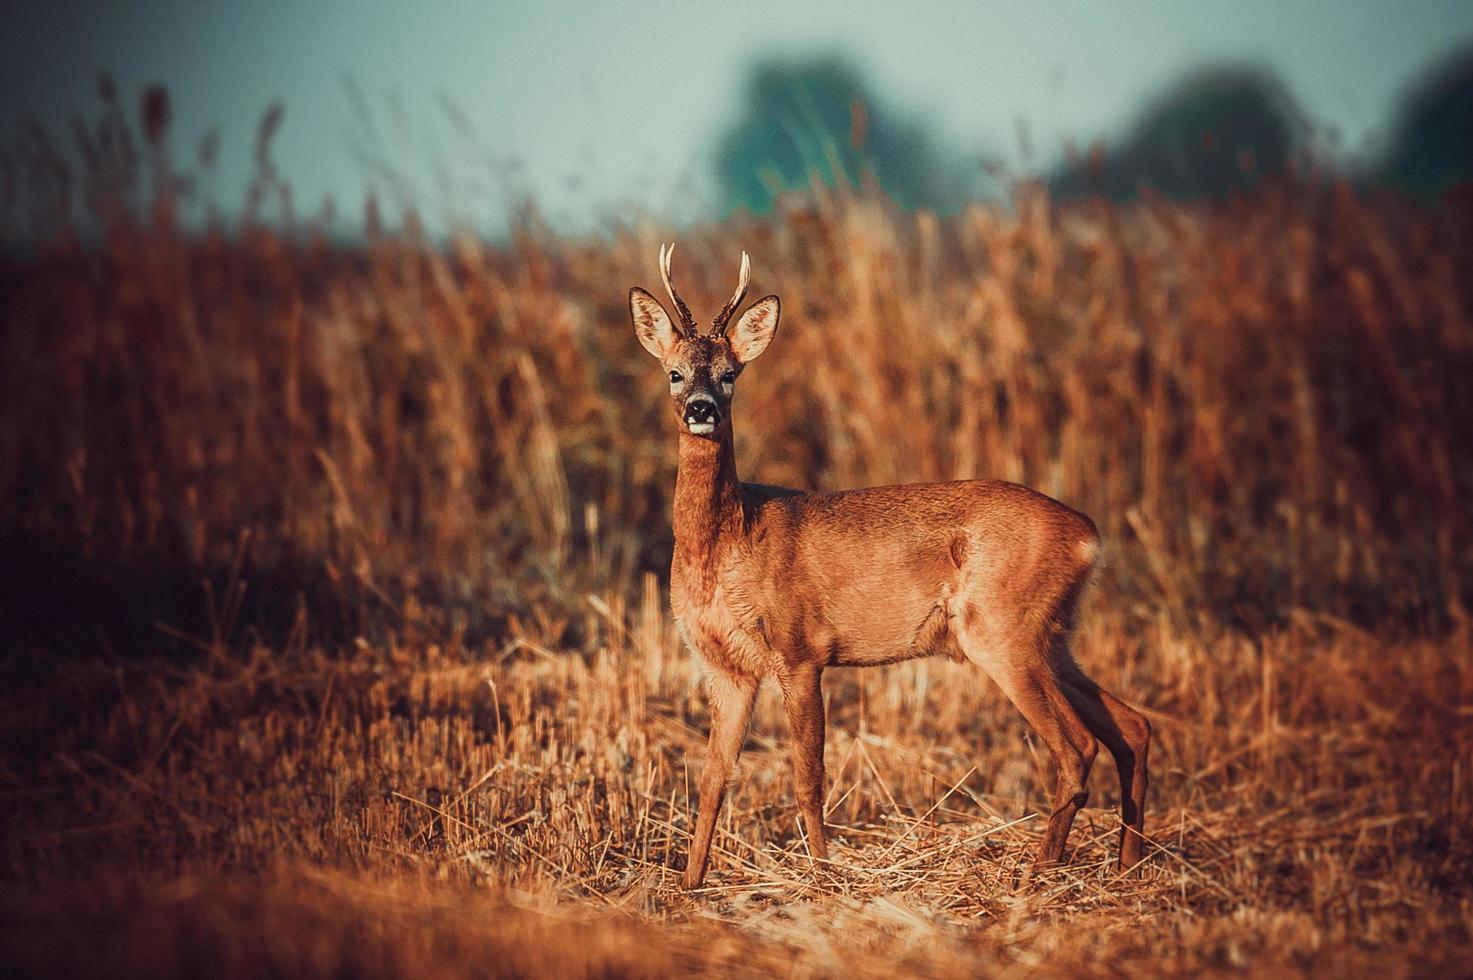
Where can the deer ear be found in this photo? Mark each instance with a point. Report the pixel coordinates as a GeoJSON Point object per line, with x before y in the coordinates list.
{"type": "Point", "coordinates": [652, 324]}
{"type": "Point", "coordinates": [755, 330]}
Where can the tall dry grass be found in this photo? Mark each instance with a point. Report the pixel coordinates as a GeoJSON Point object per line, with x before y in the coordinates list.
{"type": "Point", "coordinates": [334, 586]}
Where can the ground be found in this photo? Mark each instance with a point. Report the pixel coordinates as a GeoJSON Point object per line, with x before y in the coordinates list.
{"type": "Point", "coordinates": [334, 631]}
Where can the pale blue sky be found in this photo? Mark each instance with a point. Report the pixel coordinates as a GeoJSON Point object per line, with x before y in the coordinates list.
{"type": "Point", "coordinates": [612, 107]}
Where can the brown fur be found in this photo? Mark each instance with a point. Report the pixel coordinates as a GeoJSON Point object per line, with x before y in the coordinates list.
{"type": "Point", "coordinates": [769, 582]}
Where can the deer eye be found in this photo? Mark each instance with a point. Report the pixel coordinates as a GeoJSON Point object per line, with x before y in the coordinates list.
{"type": "Point", "coordinates": [729, 378]}
{"type": "Point", "coordinates": [676, 377]}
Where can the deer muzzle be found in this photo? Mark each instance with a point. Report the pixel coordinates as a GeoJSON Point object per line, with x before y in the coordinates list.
{"type": "Point", "coordinates": [702, 414]}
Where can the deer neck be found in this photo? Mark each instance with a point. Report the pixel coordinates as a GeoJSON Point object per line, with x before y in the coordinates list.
{"type": "Point", "coordinates": [708, 508]}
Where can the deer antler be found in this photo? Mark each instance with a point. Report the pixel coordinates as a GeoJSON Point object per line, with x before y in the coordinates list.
{"type": "Point", "coordinates": [744, 278]}
{"type": "Point", "coordinates": [687, 321]}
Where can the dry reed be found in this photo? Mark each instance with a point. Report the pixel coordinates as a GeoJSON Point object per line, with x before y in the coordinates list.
{"type": "Point", "coordinates": [338, 644]}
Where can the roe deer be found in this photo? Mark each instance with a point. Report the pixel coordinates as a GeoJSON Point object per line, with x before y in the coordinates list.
{"type": "Point", "coordinates": [769, 582]}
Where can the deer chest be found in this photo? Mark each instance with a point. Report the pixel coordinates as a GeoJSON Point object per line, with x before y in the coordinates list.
{"type": "Point", "coordinates": [726, 634]}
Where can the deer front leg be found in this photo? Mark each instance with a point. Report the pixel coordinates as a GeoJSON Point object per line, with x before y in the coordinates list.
{"type": "Point", "coordinates": [731, 699]}
{"type": "Point", "coordinates": [803, 699]}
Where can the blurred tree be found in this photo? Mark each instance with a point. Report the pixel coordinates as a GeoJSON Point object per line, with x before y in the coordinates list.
{"type": "Point", "coordinates": [1214, 131]}
{"type": "Point", "coordinates": [819, 116]}
{"type": "Point", "coordinates": [1432, 146]}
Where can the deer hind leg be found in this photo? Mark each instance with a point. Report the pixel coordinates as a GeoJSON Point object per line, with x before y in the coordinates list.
{"type": "Point", "coordinates": [1127, 735]}
{"type": "Point", "coordinates": [1026, 675]}
{"type": "Point", "coordinates": [731, 699]}
{"type": "Point", "coordinates": [803, 700]}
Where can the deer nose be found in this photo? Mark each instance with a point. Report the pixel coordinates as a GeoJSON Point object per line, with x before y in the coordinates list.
{"type": "Point", "coordinates": [702, 411]}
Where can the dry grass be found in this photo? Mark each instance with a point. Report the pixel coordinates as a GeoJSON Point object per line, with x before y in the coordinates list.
{"type": "Point", "coordinates": [338, 639]}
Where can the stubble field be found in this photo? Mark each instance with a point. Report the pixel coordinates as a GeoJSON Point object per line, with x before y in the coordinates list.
{"type": "Point", "coordinates": [339, 640]}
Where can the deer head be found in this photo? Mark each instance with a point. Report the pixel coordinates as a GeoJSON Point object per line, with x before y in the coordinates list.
{"type": "Point", "coordinates": [703, 368]}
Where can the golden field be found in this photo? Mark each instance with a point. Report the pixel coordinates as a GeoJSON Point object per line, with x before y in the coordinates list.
{"type": "Point", "coordinates": [338, 639]}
